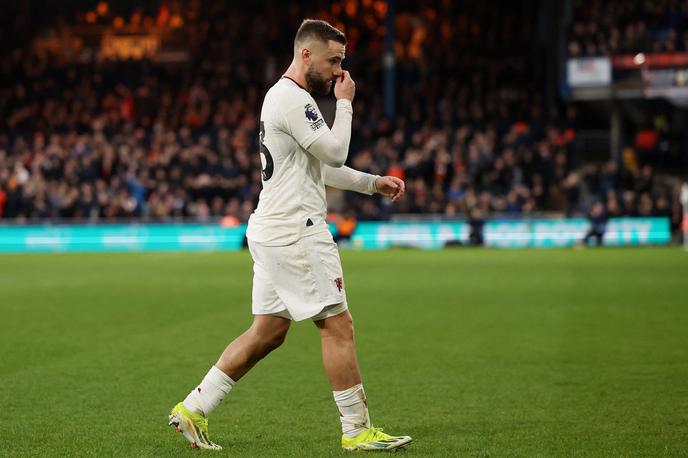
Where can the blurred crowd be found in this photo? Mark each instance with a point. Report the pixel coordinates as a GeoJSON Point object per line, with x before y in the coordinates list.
{"type": "Point", "coordinates": [603, 28]}
{"type": "Point", "coordinates": [109, 140]}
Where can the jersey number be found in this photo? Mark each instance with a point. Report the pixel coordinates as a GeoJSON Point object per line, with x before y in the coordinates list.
{"type": "Point", "coordinates": [266, 162]}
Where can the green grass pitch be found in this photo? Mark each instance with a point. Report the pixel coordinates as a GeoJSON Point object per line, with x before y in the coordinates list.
{"type": "Point", "coordinates": [471, 352]}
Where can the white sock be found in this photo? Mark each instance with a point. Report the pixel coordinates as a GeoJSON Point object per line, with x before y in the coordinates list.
{"type": "Point", "coordinates": [205, 397]}
{"type": "Point", "coordinates": [353, 410]}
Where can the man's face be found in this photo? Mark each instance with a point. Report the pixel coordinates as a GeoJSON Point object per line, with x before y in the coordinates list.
{"type": "Point", "coordinates": [324, 65]}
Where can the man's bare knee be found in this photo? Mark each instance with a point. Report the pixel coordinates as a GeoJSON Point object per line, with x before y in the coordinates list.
{"type": "Point", "coordinates": [339, 326]}
{"type": "Point", "coordinates": [270, 332]}
{"type": "Point", "coordinates": [276, 340]}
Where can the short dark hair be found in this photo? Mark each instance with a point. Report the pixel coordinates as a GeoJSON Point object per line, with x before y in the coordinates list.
{"type": "Point", "coordinates": [318, 29]}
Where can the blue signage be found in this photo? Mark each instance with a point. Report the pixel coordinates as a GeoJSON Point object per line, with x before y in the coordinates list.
{"type": "Point", "coordinates": [540, 233]}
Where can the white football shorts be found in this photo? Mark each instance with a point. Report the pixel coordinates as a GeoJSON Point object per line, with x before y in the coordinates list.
{"type": "Point", "coordinates": [298, 281]}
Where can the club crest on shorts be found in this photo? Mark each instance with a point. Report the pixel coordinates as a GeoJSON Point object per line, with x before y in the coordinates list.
{"type": "Point", "coordinates": [339, 283]}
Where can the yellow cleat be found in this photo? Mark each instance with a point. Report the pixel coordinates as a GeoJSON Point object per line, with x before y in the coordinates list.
{"type": "Point", "coordinates": [193, 426]}
{"type": "Point", "coordinates": [373, 439]}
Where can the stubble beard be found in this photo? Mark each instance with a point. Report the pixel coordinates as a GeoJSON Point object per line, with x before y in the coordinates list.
{"type": "Point", "coordinates": [317, 83]}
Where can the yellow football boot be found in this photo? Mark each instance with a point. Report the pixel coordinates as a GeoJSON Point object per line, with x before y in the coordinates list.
{"type": "Point", "coordinates": [193, 426]}
{"type": "Point", "coordinates": [374, 439]}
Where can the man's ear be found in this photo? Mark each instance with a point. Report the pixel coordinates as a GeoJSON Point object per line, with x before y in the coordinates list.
{"type": "Point", "coordinates": [306, 55]}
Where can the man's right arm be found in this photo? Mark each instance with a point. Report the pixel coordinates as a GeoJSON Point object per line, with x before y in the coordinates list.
{"type": "Point", "coordinates": [308, 127]}
{"type": "Point", "coordinates": [333, 149]}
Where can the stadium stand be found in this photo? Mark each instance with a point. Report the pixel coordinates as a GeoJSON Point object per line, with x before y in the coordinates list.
{"type": "Point", "coordinates": [103, 139]}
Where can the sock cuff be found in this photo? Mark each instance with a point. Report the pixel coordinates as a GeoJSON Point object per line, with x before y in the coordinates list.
{"type": "Point", "coordinates": [218, 378]}
{"type": "Point", "coordinates": [350, 395]}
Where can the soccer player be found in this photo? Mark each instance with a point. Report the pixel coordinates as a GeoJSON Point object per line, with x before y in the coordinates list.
{"type": "Point", "coordinates": [297, 271]}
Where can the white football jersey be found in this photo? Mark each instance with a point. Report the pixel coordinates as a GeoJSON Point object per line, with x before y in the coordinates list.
{"type": "Point", "coordinates": [293, 185]}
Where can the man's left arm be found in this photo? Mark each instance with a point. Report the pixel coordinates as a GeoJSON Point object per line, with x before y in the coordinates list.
{"type": "Point", "coordinates": [350, 179]}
